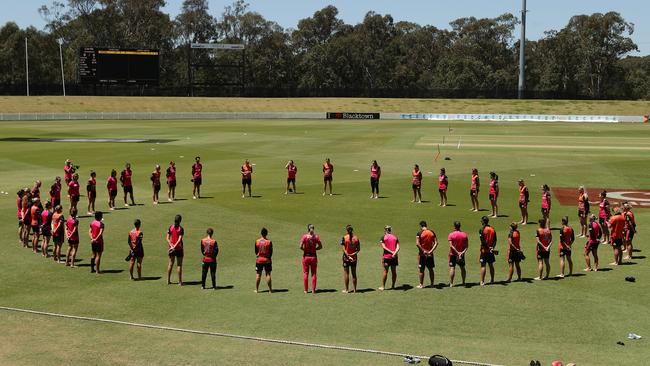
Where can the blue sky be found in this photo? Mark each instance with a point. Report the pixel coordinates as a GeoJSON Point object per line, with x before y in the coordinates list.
{"type": "Point", "coordinates": [543, 14]}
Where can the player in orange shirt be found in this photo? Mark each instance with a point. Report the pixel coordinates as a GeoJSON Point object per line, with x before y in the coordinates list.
{"type": "Point", "coordinates": [417, 184]}
{"type": "Point", "coordinates": [524, 198]}
{"type": "Point", "coordinates": [351, 247]}
{"type": "Point", "coordinates": [474, 189]}
{"type": "Point", "coordinates": [564, 248]}
{"type": "Point", "coordinates": [544, 240]}
{"type": "Point", "coordinates": [136, 249]}
{"type": "Point", "coordinates": [426, 242]}
{"type": "Point", "coordinates": [630, 229]}
{"type": "Point", "coordinates": [616, 226]}
{"type": "Point", "coordinates": [155, 184]}
{"type": "Point", "coordinates": [91, 192]}
{"type": "Point", "coordinates": [263, 255]}
{"type": "Point", "coordinates": [488, 237]}
{"type": "Point", "coordinates": [328, 170]}
{"type": "Point", "coordinates": [583, 210]}
{"type": "Point", "coordinates": [246, 178]}
{"type": "Point", "coordinates": [515, 255]}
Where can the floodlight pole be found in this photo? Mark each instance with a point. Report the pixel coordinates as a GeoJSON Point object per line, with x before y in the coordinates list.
{"type": "Point", "coordinates": [522, 52]}
{"type": "Point", "coordinates": [61, 57]}
{"type": "Point", "coordinates": [27, 66]}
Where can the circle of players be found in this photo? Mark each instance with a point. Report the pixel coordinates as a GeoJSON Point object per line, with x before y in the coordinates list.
{"type": "Point", "coordinates": [45, 221]}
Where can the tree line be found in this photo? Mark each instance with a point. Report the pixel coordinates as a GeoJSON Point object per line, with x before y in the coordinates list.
{"type": "Point", "coordinates": [588, 57]}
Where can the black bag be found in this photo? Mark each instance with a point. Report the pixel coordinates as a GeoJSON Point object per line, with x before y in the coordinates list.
{"type": "Point", "coordinates": [438, 360]}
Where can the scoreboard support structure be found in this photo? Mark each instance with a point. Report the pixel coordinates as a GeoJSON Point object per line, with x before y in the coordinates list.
{"type": "Point", "coordinates": [193, 66]}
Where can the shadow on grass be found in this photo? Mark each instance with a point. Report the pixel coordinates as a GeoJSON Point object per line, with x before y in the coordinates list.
{"type": "Point", "coordinates": [111, 271]}
{"type": "Point", "coordinates": [364, 290]}
{"type": "Point", "coordinates": [191, 283]}
{"type": "Point", "coordinates": [227, 287]}
{"type": "Point", "coordinates": [603, 270]}
{"type": "Point", "coordinates": [325, 290]}
{"type": "Point", "coordinates": [404, 287]}
{"type": "Point", "coordinates": [627, 263]}
{"type": "Point", "coordinates": [150, 278]}
{"type": "Point", "coordinates": [639, 257]}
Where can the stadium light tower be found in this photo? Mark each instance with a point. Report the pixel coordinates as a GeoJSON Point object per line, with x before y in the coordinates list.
{"type": "Point", "coordinates": [522, 52]}
{"type": "Point", "coordinates": [27, 66]}
{"type": "Point", "coordinates": [60, 41]}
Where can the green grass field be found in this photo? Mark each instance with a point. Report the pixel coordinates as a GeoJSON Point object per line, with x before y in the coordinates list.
{"type": "Point", "coordinates": [577, 319]}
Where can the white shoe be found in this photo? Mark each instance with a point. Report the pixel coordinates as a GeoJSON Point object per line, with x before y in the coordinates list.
{"type": "Point", "coordinates": [169, 199]}
{"type": "Point", "coordinates": [126, 205]}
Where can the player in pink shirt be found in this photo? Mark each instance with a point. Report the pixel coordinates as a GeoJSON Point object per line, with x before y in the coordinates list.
{"type": "Point", "coordinates": [546, 204]}
{"type": "Point", "coordinates": [155, 184]}
{"type": "Point", "coordinates": [604, 213]}
{"type": "Point", "coordinates": [328, 170]}
{"type": "Point", "coordinates": [55, 192]}
{"type": "Point", "coordinates": [475, 187]}
{"type": "Point", "coordinates": [68, 171]}
{"type": "Point", "coordinates": [292, 169]}
{"type": "Point", "coordinates": [171, 181]}
{"type": "Point", "coordinates": [126, 179]}
{"type": "Point", "coordinates": [73, 191]}
{"type": "Point", "coordinates": [494, 193]}
{"type": "Point", "coordinates": [246, 178]}
{"type": "Point", "coordinates": [443, 183]}
{"type": "Point", "coordinates": [175, 250]}
{"type": "Point", "coordinates": [309, 244]}
{"type": "Point", "coordinates": [96, 233]}
{"type": "Point", "coordinates": [91, 191]}
{"type": "Point", "coordinates": [111, 185]}
{"type": "Point", "coordinates": [197, 177]}
{"type": "Point", "coordinates": [458, 244]}
{"type": "Point", "coordinates": [390, 244]}
{"type": "Point", "coordinates": [375, 174]}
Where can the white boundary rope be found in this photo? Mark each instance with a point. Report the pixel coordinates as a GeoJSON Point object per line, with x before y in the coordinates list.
{"type": "Point", "coordinates": [235, 336]}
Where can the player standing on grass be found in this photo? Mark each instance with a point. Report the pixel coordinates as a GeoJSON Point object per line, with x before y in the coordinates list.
{"type": "Point", "coordinates": [309, 244]}
{"type": "Point", "coordinates": [603, 215]}
{"type": "Point", "coordinates": [629, 231]}
{"type": "Point", "coordinates": [458, 244]}
{"type": "Point", "coordinates": [72, 234]}
{"type": "Point", "coordinates": [427, 242]}
{"type": "Point", "coordinates": [136, 249]}
{"type": "Point", "coordinates": [375, 174]}
{"type": "Point", "coordinates": [524, 198]}
{"type": "Point", "coordinates": [475, 187]}
{"type": "Point", "coordinates": [25, 206]}
{"type": "Point", "coordinates": [416, 184]}
{"type": "Point", "coordinates": [564, 248]}
{"type": "Point", "coordinates": [19, 214]}
{"type": "Point", "coordinates": [544, 240]}
{"type": "Point", "coordinates": [443, 183]}
{"type": "Point", "coordinates": [68, 170]}
{"type": "Point", "coordinates": [616, 227]}
{"type": "Point", "coordinates": [55, 192]}
{"type": "Point", "coordinates": [197, 177]}
{"type": "Point", "coordinates": [35, 221]}
{"type": "Point", "coordinates": [515, 255]}
{"type": "Point", "coordinates": [595, 233]}
{"type": "Point", "coordinates": [494, 194]}
{"type": "Point", "coordinates": [246, 178]}
{"type": "Point", "coordinates": [171, 181]}
{"type": "Point", "coordinates": [209, 250]}
{"type": "Point", "coordinates": [46, 227]}
{"type": "Point", "coordinates": [91, 191]}
{"type": "Point", "coordinates": [546, 205]}
{"type": "Point", "coordinates": [175, 235]}
{"type": "Point", "coordinates": [73, 191]}
{"type": "Point", "coordinates": [390, 244]}
{"type": "Point", "coordinates": [263, 254]}
{"type": "Point", "coordinates": [328, 170]}
{"type": "Point", "coordinates": [488, 238]}
{"type": "Point", "coordinates": [351, 247]}
{"type": "Point", "coordinates": [96, 233]}
{"type": "Point", "coordinates": [58, 230]}
{"type": "Point", "coordinates": [126, 179]}
{"type": "Point", "coordinates": [292, 169]}
{"type": "Point", "coordinates": [111, 185]}
{"type": "Point", "coordinates": [155, 184]}
{"type": "Point", "coordinates": [583, 210]}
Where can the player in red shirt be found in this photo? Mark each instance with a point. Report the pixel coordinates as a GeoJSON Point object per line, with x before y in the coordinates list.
{"type": "Point", "coordinates": [524, 198]}
{"type": "Point", "coordinates": [328, 170]}
{"type": "Point", "coordinates": [136, 249]}
{"type": "Point", "coordinates": [603, 215]}
{"type": "Point", "coordinates": [91, 191]}
{"type": "Point", "coordinates": [209, 250]}
{"type": "Point", "coordinates": [564, 248]}
{"type": "Point", "coordinates": [126, 179]}
{"type": "Point", "coordinates": [375, 174]}
{"type": "Point", "coordinates": [96, 233]}
{"type": "Point", "coordinates": [175, 235]}
{"type": "Point", "coordinates": [73, 191]}
{"type": "Point", "coordinates": [390, 244]}
{"type": "Point", "coordinates": [630, 229]}
{"type": "Point", "coordinates": [594, 234]}
{"type": "Point", "coordinates": [46, 228]}
{"type": "Point", "coordinates": [25, 219]}
{"type": "Point", "coordinates": [36, 190]}
{"type": "Point", "coordinates": [488, 238]}
{"type": "Point", "coordinates": [155, 183]}
{"type": "Point", "coordinates": [35, 223]}
{"type": "Point", "coordinates": [246, 178]}
{"type": "Point", "coordinates": [55, 192]}
{"type": "Point", "coordinates": [544, 240]}
{"type": "Point", "coordinates": [72, 234]}
{"type": "Point", "coordinates": [19, 213]}
{"type": "Point", "coordinates": [309, 244]}
{"type": "Point", "coordinates": [416, 184]}
{"type": "Point", "coordinates": [263, 255]}
{"type": "Point", "coordinates": [616, 225]}
{"type": "Point", "coordinates": [546, 204]}
{"type": "Point", "coordinates": [351, 247]}
{"type": "Point", "coordinates": [493, 194]}
{"type": "Point", "coordinates": [58, 231]}
{"type": "Point", "coordinates": [111, 185]}
{"type": "Point", "coordinates": [197, 177]}
{"type": "Point", "coordinates": [583, 210]}
{"type": "Point", "coordinates": [515, 255]}
{"type": "Point", "coordinates": [443, 183]}
{"type": "Point", "coordinates": [426, 242]}
{"type": "Point", "coordinates": [458, 244]}
{"type": "Point", "coordinates": [292, 169]}
{"type": "Point", "coordinates": [68, 171]}
{"type": "Point", "coordinates": [170, 173]}
{"type": "Point", "coordinates": [474, 189]}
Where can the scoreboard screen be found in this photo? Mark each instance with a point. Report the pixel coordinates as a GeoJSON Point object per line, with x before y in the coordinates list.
{"type": "Point", "coordinates": [118, 66]}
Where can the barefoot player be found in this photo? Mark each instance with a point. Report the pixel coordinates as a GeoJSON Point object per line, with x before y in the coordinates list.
{"type": "Point", "coordinates": [328, 170]}
{"type": "Point", "coordinates": [197, 177]}
{"type": "Point", "coordinates": [564, 248]}
{"type": "Point", "coordinates": [58, 231]}
{"type": "Point", "coordinates": [416, 184]}
{"type": "Point", "coordinates": [46, 228]}
{"type": "Point", "coordinates": [515, 255]}
{"type": "Point", "coordinates": [458, 244]}
{"type": "Point", "coordinates": [126, 179]}
{"type": "Point", "coordinates": [375, 174]}
{"type": "Point", "coordinates": [524, 198]}
{"type": "Point", "coordinates": [175, 249]}
{"type": "Point", "coordinates": [583, 210]}
{"type": "Point", "coordinates": [73, 191]}
{"type": "Point", "coordinates": [72, 234]}
{"type": "Point", "coordinates": [546, 205]}
{"type": "Point", "coordinates": [246, 178]}
{"type": "Point", "coordinates": [155, 184]}
{"type": "Point", "coordinates": [443, 183]}
{"type": "Point", "coordinates": [616, 227]}
{"type": "Point", "coordinates": [544, 239]}
{"type": "Point", "coordinates": [91, 191]}
{"type": "Point", "coordinates": [171, 181]}
{"type": "Point", "coordinates": [488, 238]}
{"type": "Point", "coordinates": [96, 233]}
{"type": "Point", "coordinates": [111, 186]}
{"type": "Point", "coordinates": [209, 250]}
{"type": "Point", "coordinates": [55, 192]}
{"type": "Point", "coordinates": [390, 244]}
{"type": "Point", "coordinates": [136, 249]}
{"type": "Point", "coordinates": [426, 242]}
{"type": "Point", "coordinates": [292, 169]}
{"type": "Point", "coordinates": [309, 244]}
{"type": "Point", "coordinates": [629, 231]}
{"type": "Point", "coordinates": [595, 233]}
{"type": "Point", "coordinates": [351, 248]}
{"type": "Point", "coordinates": [263, 254]}
{"type": "Point", "coordinates": [474, 189]}
{"type": "Point", "coordinates": [493, 194]}
{"type": "Point", "coordinates": [604, 215]}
